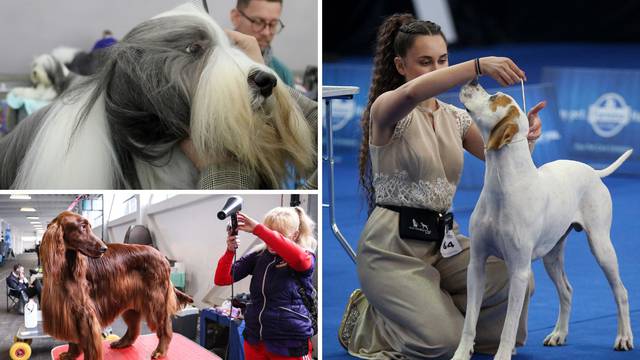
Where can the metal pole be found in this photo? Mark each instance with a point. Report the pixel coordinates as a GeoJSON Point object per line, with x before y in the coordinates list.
{"type": "Point", "coordinates": [332, 214]}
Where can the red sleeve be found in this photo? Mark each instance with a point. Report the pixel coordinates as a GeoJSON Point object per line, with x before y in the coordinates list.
{"type": "Point", "coordinates": [292, 253]}
{"type": "Point", "coordinates": [223, 271]}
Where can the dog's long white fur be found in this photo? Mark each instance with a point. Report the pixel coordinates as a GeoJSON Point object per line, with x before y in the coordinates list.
{"type": "Point", "coordinates": [86, 162]}
{"type": "Point", "coordinates": [227, 124]}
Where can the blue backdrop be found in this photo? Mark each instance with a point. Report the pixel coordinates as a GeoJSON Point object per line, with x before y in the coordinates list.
{"type": "Point", "coordinates": [600, 113]}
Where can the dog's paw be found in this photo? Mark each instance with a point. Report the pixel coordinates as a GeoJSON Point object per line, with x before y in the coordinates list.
{"type": "Point", "coordinates": [120, 344]}
{"type": "Point", "coordinates": [157, 354]}
{"type": "Point", "coordinates": [503, 355]}
{"type": "Point", "coordinates": [20, 92]}
{"type": "Point", "coordinates": [463, 353]}
{"type": "Point", "coordinates": [623, 342]}
{"type": "Point", "coordinates": [556, 338]}
{"type": "Point", "coordinates": [68, 356]}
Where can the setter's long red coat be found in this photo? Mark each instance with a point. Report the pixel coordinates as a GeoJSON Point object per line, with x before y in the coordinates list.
{"type": "Point", "coordinates": [88, 284]}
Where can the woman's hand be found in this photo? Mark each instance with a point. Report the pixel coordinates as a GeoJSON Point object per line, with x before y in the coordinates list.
{"type": "Point", "coordinates": [502, 69]}
{"type": "Point", "coordinates": [535, 125]}
{"type": "Point", "coordinates": [232, 242]}
{"type": "Point", "coordinates": [245, 223]}
{"type": "Point", "coordinates": [247, 43]}
{"type": "Point", "coordinates": [189, 150]}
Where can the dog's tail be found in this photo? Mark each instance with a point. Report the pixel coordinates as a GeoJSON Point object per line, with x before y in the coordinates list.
{"type": "Point", "coordinates": [611, 168]}
{"type": "Point", "coordinates": [183, 299]}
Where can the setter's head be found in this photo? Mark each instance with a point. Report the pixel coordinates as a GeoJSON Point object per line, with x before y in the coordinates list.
{"type": "Point", "coordinates": [69, 232]}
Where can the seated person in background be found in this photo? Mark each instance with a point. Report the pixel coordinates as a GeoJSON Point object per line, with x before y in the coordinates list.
{"type": "Point", "coordinates": [261, 19]}
{"type": "Point", "coordinates": [20, 286]}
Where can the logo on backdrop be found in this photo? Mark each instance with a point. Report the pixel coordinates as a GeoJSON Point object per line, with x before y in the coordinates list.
{"type": "Point", "coordinates": [343, 111]}
{"type": "Point", "coordinates": [609, 115]}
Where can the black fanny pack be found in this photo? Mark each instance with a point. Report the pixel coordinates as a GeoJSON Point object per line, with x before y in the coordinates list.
{"type": "Point", "coordinates": [421, 224]}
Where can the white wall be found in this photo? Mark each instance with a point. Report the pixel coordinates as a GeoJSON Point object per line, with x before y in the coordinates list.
{"type": "Point", "coordinates": [185, 228]}
{"type": "Point", "coordinates": [439, 12]}
{"type": "Point", "coordinates": [32, 27]}
{"type": "Point", "coordinates": [28, 241]}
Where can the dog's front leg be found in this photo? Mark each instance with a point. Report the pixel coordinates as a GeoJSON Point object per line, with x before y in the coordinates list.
{"type": "Point", "coordinates": [72, 352]}
{"type": "Point", "coordinates": [90, 337]}
{"type": "Point", "coordinates": [475, 290]}
{"type": "Point", "coordinates": [519, 272]}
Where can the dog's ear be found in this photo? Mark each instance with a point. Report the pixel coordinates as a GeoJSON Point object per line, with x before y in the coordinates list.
{"type": "Point", "coordinates": [505, 129]}
{"type": "Point", "coordinates": [56, 76]}
{"type": "Point", "coordinates": [52, 249]}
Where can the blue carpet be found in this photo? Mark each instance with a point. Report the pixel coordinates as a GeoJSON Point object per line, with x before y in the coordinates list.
{"type": "Point", "coordinates": [593, 320]}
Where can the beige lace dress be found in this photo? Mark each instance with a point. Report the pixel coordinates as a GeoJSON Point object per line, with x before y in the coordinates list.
{"type": "Point", "coordinates": [414, 299]}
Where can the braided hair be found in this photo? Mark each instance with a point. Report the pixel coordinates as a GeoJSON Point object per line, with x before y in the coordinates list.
{"type": "Point", "coordinates": [396, 35]}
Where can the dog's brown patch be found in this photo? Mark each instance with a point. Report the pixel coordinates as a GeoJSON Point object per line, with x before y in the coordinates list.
{"type": "Point", "coordinates": [500, 100]}
{"type": "Point", "coordinates": [504, 130]}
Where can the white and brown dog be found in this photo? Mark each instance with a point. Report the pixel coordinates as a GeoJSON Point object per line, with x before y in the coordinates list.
{"type": "Point", "coordinates": [525, 213]}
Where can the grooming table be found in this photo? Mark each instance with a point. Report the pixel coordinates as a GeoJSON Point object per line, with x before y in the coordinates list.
{"type": "Point", "coordinates": [21, 348]}
{"type": "Point", "coordinates": [330, 93]}
{"type": "Point", "coordinates": [180, 348]}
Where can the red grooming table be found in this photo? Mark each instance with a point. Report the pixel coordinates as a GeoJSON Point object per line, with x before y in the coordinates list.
{"type": "Point", "coordinates": [179, 349]}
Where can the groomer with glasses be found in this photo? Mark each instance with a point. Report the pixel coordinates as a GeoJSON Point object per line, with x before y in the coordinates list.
{"type": "Point", "coordinates": [261, 19]}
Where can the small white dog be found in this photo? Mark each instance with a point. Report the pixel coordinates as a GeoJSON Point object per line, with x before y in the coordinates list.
{"type": "Point", "coordinates": [49, 79]}
{"type": "Point", "coordinates": [525, 213]}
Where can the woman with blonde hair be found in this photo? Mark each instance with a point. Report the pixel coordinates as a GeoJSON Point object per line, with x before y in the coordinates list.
{"type": "Point", "coordinates": [278, 320]}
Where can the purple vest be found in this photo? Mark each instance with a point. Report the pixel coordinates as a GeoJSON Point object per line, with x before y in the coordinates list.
{"type": "Point", "coordinates": [276, 312]}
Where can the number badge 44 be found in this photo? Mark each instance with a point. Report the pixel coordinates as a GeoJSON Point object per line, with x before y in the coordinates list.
{"type": "Point", "coordinates": [450, 245]}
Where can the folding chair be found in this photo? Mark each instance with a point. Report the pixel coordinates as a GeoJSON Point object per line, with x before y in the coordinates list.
{"type": "Point", "coordinates": [13, 298]}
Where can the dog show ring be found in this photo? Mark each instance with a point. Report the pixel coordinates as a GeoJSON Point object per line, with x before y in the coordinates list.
{"type": "Point", "coordinates": [144, 346]}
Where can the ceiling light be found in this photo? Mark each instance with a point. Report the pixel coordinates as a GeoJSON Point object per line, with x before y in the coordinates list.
{"type": "Point", "coordinates": [36, 222]}
{"type": "Point", "coordinates": [33, 218]}
{"type": "Point", "coordinates": [27, 209]}
{"type": "Point", "coordinates": [20, 197]}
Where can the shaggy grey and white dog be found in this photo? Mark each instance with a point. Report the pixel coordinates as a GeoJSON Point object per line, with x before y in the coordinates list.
{"type": "Point", "coordinates": [171, 77]}
{"type": "Point", "coordinates": [49, 78]}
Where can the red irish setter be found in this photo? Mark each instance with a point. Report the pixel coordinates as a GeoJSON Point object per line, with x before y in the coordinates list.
{"type": "Point", "coordinates": [88, 284]}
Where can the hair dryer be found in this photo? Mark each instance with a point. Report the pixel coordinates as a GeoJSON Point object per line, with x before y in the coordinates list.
{"type": "Point", "coordinates": [230, 209]}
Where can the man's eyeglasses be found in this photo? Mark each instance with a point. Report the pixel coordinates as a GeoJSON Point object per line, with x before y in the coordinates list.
{"type": "Point", "coordinates": [258, 25]}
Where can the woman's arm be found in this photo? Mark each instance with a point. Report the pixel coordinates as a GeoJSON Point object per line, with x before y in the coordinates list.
{"type": "Point", "coordinates": [473, 142]}
{"type": "Point", "coordinates": [297, 257]}
{"type": "Point", "coordinates": [293, 254]}
{"type": "Point", "coordinates": [394, 105]}
{"type": "Point", "coordinates": [223, 270]}
{"type": "Point", "coordinates": [241, 269]}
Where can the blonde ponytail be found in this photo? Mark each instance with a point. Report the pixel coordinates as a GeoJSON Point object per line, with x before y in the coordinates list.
{"type": "Point", "coordinates": [306, 236]}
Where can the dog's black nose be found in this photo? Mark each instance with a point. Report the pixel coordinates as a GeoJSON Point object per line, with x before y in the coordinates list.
{"type": "Point", "coordinates": [264, 81]}
{"type": "Point", "coordinates": [474, 81]}
{"type": "Point", "coordinates": [103, 249]}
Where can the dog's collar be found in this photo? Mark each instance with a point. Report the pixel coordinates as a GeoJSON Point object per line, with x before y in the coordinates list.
{"type": "Point", "coordinates": [516, 141]}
